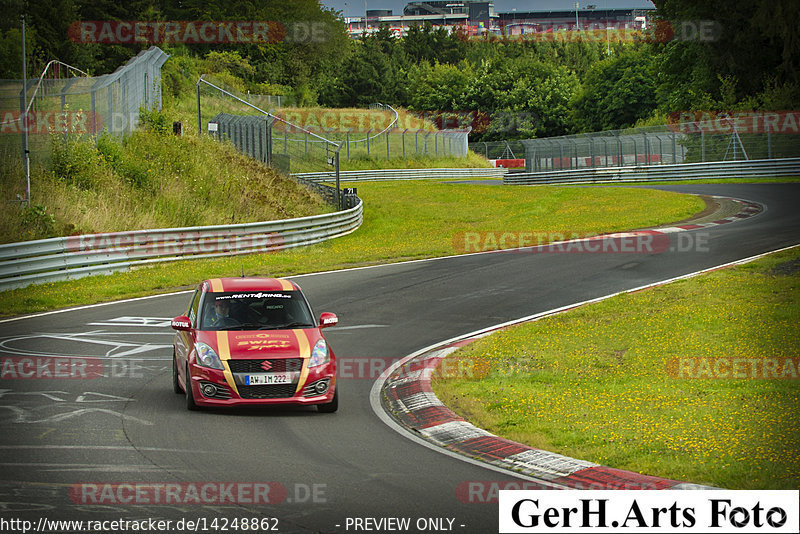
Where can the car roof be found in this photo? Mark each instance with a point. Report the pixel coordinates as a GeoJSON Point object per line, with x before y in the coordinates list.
{"type": "Point", "coordinates": [218, 285]}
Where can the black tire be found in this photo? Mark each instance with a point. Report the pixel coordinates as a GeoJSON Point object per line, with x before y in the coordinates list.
{"type": "Point", "coordinates": [331, 406]}
{"type": "Point", "coordinates": [190, 404]}
{"type": "Point", "coordinates": [176, 385]}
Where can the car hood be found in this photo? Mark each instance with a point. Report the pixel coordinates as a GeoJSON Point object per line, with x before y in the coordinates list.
{"type": "Point", "coordinates": [256, 344]}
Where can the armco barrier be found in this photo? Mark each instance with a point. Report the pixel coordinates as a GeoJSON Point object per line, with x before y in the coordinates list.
{"type": "Point", "coordinates": [765, 168]}
{"type": "Point", "coordinates": [404, 174]}
{"type": "Point", "coordinates": [65, 258]}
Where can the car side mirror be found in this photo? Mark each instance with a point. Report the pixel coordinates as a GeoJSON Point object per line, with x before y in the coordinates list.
{"type": "Point", "coordinates": [181, 323]}
{"type": "Point", "coordinates": [328, 319]}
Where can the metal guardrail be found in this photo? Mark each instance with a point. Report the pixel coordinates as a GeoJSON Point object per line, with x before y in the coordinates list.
{"type": "Point", "coordinates": [403, 174]}
{"type": "Point", "coordinates": [67, 258]}
{"type": "Point", "coordinates": [687, 171]}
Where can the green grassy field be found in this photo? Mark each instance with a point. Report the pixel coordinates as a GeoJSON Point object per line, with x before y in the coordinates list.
{"type": "Point", "coordinates": [636, 382]}
{"type": "Point", "coordinates": [402, 220]}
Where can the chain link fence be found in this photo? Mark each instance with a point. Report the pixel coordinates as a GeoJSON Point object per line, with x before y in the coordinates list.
{"type": "Point", "coordinates": [82, 105]}
{"type": "Point", "coordinates": [303, 139]}
{"type": "Point", "coordinates": [512, 149]}
{"type": "Point", "coordinates": [695, 142]}
{"type": "Point", "coordinates": [268, 138]}
{"type": "Point", "coordinates": [56, 102]}
{"type": "Point", "coordinates": [404, 143]}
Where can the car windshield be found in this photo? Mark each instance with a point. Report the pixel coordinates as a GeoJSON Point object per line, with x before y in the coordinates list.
{"type": "Point", "coordinates": [257, 310]}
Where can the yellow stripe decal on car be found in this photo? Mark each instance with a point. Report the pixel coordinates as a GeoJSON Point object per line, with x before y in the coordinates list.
{"type": "Point", "coordinates": [286, 285]}
{"type": "Point", "coordinates": [224, 353]}
{"type": "Point", "coordinates": [216, 285]}
{"type": "Point", "coordinates": [305, 354]}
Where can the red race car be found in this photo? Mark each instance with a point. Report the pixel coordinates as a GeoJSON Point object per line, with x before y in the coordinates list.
{"type": "Point", "coordinates": [253, 341]}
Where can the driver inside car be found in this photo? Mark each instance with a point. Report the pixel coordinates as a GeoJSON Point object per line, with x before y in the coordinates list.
{"type": "Point", "coordinates": [221, 317]}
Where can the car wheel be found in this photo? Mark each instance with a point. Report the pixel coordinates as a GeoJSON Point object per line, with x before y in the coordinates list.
{"type": "Point", "coordinates": [331, 406]}
{"type": "Point", "coordinates": [176, 385]}
{"type": "Point", "coordinates": [190, 404]}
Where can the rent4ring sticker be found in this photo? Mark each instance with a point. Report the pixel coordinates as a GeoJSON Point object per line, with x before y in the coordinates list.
{"type": "Point", "coordinates": [634, 511]}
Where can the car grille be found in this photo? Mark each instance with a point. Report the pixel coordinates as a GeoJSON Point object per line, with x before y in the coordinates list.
{"type": "Point", "coordinates": [277, 391]}
{"type": "Point", "coordinates": [279, 365]}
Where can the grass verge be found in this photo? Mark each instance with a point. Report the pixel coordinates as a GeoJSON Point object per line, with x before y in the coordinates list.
{"type": "Point", "coordinates": [621, 385]}
{"type": "Point", "coordinates": [402, 220]}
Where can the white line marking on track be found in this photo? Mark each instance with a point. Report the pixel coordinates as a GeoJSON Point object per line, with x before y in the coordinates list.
{"type": "Point", "coordinates": [129, 448]}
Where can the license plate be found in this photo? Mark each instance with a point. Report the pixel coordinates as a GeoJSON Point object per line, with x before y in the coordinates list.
{"type": "Point", "coordinates": [267, 379]}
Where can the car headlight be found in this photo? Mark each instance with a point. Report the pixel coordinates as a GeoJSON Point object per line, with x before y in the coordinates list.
{"type": "Point", "coordinates": [206, 356]}
{"type": "Point", "coordinates": [319, 355]}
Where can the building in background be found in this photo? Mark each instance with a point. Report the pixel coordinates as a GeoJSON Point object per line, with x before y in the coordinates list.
{"type": "Point", "coordinates": [476, 17]}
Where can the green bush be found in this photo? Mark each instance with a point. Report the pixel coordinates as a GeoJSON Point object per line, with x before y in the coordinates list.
{"type": "Point", "coordinates": [178, 76]}
{"type": "Point", "coordinates": [37, 223]}
{"type": "Point", "coordinates": [74, 161]}
{"type": "Point", "coordinates": [232, 62]}
{"type": "Point", "coordinates": [154, 120]}
{"type": "Point", "coordinates": [131, 171]}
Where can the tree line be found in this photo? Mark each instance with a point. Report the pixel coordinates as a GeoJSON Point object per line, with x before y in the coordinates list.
{"type": "Point", "coordinates": [528, 88]}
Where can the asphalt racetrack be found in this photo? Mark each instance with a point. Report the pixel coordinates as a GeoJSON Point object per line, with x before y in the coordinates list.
{"type": "Point", "coordinates": [95, 449]}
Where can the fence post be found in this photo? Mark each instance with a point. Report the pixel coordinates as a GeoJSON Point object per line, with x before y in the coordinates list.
{"type": "Point", "coordinates": [703, 145]}
{"type": "Point", "coordinates": [404, 141]}
{"type": "Point", "coordinates": [94, 111]}
{"type": "Point", "coordinates": [674, 148]}
{"type": "Point", "coordinates": [769, 143]}
{"type": "Point", "coordinates": [110, 105]}
{"type": "Point", "coordinates": [387, 143]}
{"type": "Point", "coordinates": [338, 192]}
{"type": "Point", "coordinates": [23, 97]}
{"type": "Point", "coordinates": [347, 141]}
{"type": "Point", "coordinates": [368, 132]}
{"type": "Point", "coordinates": [268, 124]}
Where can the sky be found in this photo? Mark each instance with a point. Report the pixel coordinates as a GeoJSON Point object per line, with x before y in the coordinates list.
{"type": "Point", "coordinates": [355, 8]}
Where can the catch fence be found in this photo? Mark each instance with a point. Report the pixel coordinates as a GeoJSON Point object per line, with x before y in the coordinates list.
{"type": "Point", "coordinates": [691, 142]}
{"type": "Point", "coordinates": [59, 103]}
{"type": "Point", "coordinates": [302, 139]}
{"type": "Point", "coordinates": [511, 149]}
